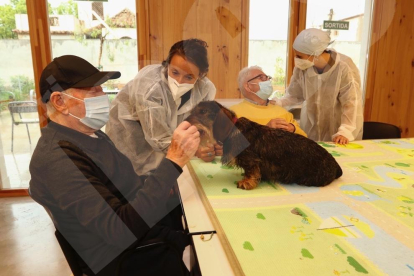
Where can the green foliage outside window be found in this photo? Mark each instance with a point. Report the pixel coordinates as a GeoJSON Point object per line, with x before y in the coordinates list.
{"type": "Point", "coordinates": [18, 90]}
{"type": "Point", "coordinates": [8, 12]}
{"type": "Point", "coordinates": [279, 75]}
{"type": "Point", "coordinates": [21, 86]}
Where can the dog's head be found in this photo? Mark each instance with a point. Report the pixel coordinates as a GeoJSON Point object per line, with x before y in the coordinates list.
{"type": "Point", "coordinates": [214, 121]}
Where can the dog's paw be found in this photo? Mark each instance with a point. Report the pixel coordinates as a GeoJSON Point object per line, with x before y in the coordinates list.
{"type": "Point", "coordinates": [247, 184]}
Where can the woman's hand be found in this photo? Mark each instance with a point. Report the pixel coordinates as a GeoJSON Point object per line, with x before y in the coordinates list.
{"type": "Point", "coordinates": [206, 153]}
{"type": "Point", "coordinates": [342, 140]}
{"type": "Point", "coordinates": [218, 148]}
{"type": "Point", "coordinates": [209, 152]}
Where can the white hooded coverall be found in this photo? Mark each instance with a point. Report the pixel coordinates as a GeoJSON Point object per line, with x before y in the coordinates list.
{"type": "Point", "coordinates": [144, 115]}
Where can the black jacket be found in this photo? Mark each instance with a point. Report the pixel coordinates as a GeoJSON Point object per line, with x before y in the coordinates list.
{"type": "Point", "coordinates": [95, 198]}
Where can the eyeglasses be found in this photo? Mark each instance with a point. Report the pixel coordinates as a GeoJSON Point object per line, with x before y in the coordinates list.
{"type": "Point", "coordinates": [262, 77]}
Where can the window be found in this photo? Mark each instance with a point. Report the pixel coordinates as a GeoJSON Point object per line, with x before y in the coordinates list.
{"type": "Point", "coordinates": [353, 42]}
{"type": "Point", "coordinates": [54, 21]}
{"type": "Point", "coordinates": [101, 42]}
{"type": "Point", "coordinates": [97, 8]}
{"type": "Point", "coordinates": [16, 85]}
{"type": "Point", "coordinates": [109, 43]}
{"type": "Point", "coordinates": [268, 35]}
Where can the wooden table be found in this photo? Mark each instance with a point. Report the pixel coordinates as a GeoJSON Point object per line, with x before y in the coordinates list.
{"type": "Point", "coordinates": [361, 224]}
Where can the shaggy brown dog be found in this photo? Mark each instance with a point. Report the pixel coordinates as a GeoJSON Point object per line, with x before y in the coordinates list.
{"type": "Point", "coordinates": [264, 153]}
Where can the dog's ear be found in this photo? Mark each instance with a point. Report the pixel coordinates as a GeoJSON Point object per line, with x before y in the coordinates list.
{"type": "Point", "coordinates": [223, 124]}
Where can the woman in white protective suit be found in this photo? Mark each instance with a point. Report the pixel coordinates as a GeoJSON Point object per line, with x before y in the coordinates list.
{"type": "Point", "coordinates": [328, 85]}
{"type": "Point", "coordinates": [146, 111]}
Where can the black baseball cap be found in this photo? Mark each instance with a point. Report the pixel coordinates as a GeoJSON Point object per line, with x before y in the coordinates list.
{"type": "Point", "coordinates": [71, 72]}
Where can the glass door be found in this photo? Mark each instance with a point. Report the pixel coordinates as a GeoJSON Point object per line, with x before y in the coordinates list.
{"type": "Point", "coordinates": [18, 134]}
{"type": "Point", "coordinates": [102, 32]}
{"type": "Point", "coordinates": [349, 24]}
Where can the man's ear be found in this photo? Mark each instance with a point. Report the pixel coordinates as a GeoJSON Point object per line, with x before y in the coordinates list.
{"type": "Point", "coordinates": [57, 101]}
{"type": "Point", "coordinates": [246, 87]}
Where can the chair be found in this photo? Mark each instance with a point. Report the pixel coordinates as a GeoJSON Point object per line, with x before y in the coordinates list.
{"type": "Point", "coordinates": [71, 255]}
{"type": "Point", "coordinates": [8, 97]}
{"type": "Point", "coordinates": [378, 130]}
{"type": "Point", "coordinates": [32, 95]}
{"type": "Point", "coordinates": [149, 245]}
{"type": "Point", "coordinates": [296, 112]}
{"type": "Point", "coordinates": [19, 108]}
{"type": "Point", "coordinates": [73, 258]}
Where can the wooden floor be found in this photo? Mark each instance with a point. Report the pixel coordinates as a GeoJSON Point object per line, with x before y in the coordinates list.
{"type": "Point", "coordinates": [27, 242]}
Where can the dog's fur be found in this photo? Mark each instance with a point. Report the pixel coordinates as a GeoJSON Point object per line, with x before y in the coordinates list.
{"type": "Point", "coordinates": [273, 154]}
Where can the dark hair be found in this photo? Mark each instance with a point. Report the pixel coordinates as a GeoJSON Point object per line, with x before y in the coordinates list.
{"type": "Point", "coordinates": [194, 50]}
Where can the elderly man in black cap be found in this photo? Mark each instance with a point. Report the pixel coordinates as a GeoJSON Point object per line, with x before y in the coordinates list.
{"type": "Point", "coordinates": [90, 189]}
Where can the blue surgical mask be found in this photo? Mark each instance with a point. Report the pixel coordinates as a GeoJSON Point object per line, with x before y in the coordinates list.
{"type": "Point", "coordinates": [266, 89]}
{"type": "Point", "coordinates": [97, 111]}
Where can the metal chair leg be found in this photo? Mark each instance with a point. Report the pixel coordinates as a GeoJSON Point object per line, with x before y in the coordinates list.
{"type": "Point", "coordinates": [28, 134]}
{"type": "Point", "coordinates": [12, 137]}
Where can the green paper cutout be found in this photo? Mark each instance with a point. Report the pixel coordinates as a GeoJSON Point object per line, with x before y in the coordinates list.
{"type": "Point", "coordinates": [306, 253]}
{"type": "Point", "coordinates": [325, 145]}
{"type": "Point", "coordinates": [248, 246]}
{"type": "Point", "coordinates": [402, 165]}
{"type": "Point", "coordinates": [340, 249]}
{"type": "Point", "coordinates": [358, 267]}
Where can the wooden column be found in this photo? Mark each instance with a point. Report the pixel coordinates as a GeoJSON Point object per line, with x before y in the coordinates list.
{"type": "Point", "coordinates": [245, 15]}
{"type": "Point", "coordinates": [297, 23]}
{"type": "Point", "coordinates": [223, 24]}
{"type": "Point", "coordinates": [142, 16]}
{"type": "Point", "coordinates": [390, 73]}
{"type": "Point", "coordinates": [37, 13]}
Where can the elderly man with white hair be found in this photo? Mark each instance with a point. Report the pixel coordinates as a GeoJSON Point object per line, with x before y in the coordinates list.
{"type": "Point", "coordinates": [98, 204]}
{"type": "Point", "coordinates": [256, 89]}
{"type": "Point", "coordinates": [328, 85]}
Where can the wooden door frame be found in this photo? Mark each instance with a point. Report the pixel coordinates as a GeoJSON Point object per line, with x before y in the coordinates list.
{"type": "Point", "coordinates": [143, 33]}
{"type": "Point", "coordinates": [14, 193]}
{"type": "Point", "coordinates": [245, 33]}
{"type": "Point", "coordinates": [40, 43]}
{"type": "Point", "coordinates": [297, 23]}
{"type": "Point", "coordinates": [372, 57]}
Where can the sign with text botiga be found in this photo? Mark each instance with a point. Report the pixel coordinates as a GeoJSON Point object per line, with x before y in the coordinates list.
{"type": "Point", "coordinates": [336, 25]}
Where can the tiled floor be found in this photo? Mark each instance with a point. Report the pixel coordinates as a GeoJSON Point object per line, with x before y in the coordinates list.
{"type": "Point", "coordinates": [27, 241]}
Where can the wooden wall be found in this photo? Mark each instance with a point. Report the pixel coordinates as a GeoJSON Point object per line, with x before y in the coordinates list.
{"type": "Point", "coordinates": [224, 25]}
{"type": "Point", "coordinates": [390, 82]}
{"type": "Point", "coordinates": [40, 46]}
{"type": "Point", "coordinates": [221, 23]}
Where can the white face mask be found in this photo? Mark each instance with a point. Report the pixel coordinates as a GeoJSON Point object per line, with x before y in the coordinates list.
{"type": "Point", "coordinates": [178, 89]}
{"type": "Point", "coordinates": [303, 64]}
{"type": "Point", "coordinates": [97, 111]}
{"type": "Point", "coordinates": [266, 89]}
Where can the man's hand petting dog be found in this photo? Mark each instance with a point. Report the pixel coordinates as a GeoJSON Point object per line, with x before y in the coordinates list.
{"type": "Point", "coordinates": [281, 124]}
{"type": "Point", "coordinates": [208, 153]}
{"type": "Point", "coordinates": [184, 143]}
